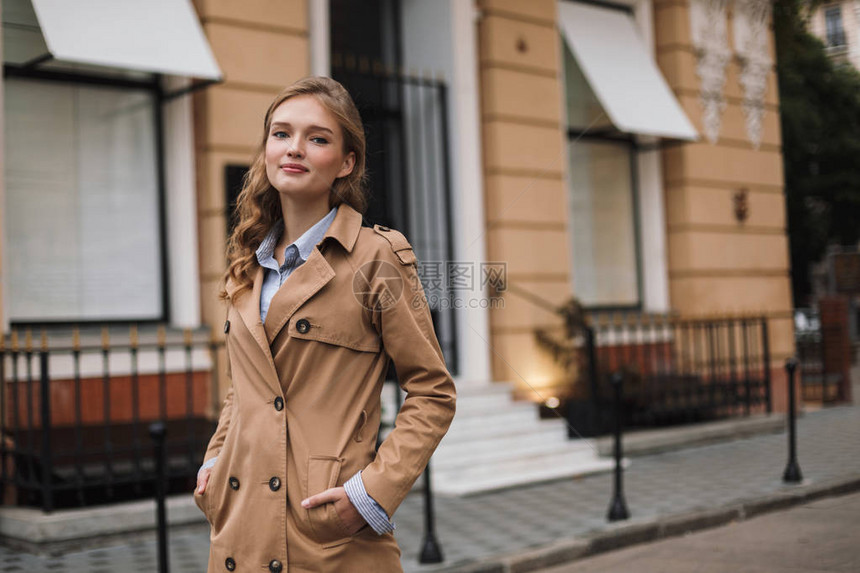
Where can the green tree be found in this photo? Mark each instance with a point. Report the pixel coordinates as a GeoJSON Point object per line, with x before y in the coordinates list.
{"type": "Point", "coordinates": [820, 116]}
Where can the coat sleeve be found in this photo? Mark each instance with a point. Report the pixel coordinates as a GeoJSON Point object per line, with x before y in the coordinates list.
{"type": "Point", "coordinates": [404, 324]}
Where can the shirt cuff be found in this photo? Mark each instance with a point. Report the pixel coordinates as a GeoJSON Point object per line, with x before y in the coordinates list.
{"type": "Point", "coordinates": [371, 511]}
{"type": "Point", "coordinates": [207, 464]}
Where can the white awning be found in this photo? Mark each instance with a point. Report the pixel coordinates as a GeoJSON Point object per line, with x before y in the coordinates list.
{"type": "Point", "coordinates": [159, 36]}
{"type": "Point", "coordinates": [620, 71]}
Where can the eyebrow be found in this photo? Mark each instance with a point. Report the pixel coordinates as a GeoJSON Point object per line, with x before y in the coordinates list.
{"type": "Point", "coordinates": [312, 127]}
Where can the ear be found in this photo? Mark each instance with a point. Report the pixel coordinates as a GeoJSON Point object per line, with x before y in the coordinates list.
{"type": "Point", "coordinates": [348, 165]}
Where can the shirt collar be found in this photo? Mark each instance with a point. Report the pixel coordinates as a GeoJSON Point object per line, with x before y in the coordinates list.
{"type": "Point", "coordinates": [305, 244]}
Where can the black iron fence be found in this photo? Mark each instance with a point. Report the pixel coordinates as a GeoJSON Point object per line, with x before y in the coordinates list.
{"type": "Point", "coordinates": [75, 407]}
{"type": "Point", "coordinates": [676, 371]}
{"type": "Point", "coordinates": [408, 157]}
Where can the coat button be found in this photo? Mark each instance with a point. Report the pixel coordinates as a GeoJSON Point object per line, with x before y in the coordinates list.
{"type": "Point", "coordinates": [303, 325]}
{"type": "Point", "coordinates": [226, 327]}
{"type": "Point", "coordinates": [234, 482]}
{"type": "Point", "coordinates": [279, 403]}
{"type": "Point", "coordinates": [275, 566]}
{"type": "Point", "coordinates": [275, 483]}
{"type": "Point", "coordinates": [230, 564]}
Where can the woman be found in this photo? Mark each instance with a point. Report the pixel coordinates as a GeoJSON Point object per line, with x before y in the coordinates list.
{"type": "Point", "coordinates": [291, 480]}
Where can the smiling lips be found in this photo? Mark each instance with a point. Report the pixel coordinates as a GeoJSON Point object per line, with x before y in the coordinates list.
{"type": "Point", "coordinates": [294, 168]}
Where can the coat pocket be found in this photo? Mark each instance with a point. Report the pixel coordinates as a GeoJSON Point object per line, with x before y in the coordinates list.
{"type": "Point", "coordinates": [362, 421]}
{"type": "Point", "coordinates": [327, 527]}
{"type": "Point", "coordinates": [212, 500]}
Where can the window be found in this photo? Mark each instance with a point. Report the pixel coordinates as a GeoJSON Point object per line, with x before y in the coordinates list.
{"type": "Point", "coordinates": [82, 202]}
{"type": "Point", "coordinates": [605, 269]}
{"type": "Point", "coordinates": [833, 22]}
{"type": "Point", "coordinates": [601, 195]}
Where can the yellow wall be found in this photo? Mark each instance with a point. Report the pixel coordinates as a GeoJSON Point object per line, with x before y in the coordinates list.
{"type": "Point", "coordinates": [524, 158]}
{"type": "Point", "coordinates": [718, 265]}
{"type": "Point", "coordinates": [262, 46]}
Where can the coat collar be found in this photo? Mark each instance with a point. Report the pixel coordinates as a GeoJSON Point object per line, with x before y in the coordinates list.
{"type": "Point", "coordinates": [304, 244]}
{"type": "Point", "coordinates": [345, 227]}
{"type": "Point", "coordinates": [305, 281]}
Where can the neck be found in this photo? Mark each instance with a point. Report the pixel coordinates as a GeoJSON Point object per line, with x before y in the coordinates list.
{"type": "Point", "coordinates": [299, 216]}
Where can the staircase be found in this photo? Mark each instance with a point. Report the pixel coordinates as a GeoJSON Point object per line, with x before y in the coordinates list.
{"type": "Point", "coordinates": [495, 442]}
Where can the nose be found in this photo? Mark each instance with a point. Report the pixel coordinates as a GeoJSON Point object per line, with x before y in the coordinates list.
{"type": "Point", "coordinates": [295, 148]}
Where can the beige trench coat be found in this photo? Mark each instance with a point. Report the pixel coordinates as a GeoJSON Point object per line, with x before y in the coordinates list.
{"type": "Point", "coordinates": [303, 410]}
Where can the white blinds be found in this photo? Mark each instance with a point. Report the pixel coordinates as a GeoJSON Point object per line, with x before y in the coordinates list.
{"type": "Point", "coordinates": [82, 235]}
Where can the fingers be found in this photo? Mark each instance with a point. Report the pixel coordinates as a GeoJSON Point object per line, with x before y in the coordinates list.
{"type": "Point", "coordinates": [203, 479]}
{"type": "Point", "coordinates": [329, 495]}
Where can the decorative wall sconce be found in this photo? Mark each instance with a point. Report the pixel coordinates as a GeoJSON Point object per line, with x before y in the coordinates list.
{"type": "Point", "coordinates": [741, 202]}
{"type": "Point", "coordinates": [522, 47]}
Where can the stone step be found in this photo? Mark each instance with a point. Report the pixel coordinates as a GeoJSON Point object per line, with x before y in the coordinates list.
{"type": "Point", "coordinates": [544, 438]}
{"type": "Point", "coordinates": [508, 420]}
{"type": "Point", "coordinates": [567, 461]}
{"type": "Point", "coordinates": [484, 398]}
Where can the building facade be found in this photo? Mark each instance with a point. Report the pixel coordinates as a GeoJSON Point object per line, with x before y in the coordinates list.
{"type": "Point", "coordinates": [514, 137]}
{"type": "Point", "coordinates": [837, 24]}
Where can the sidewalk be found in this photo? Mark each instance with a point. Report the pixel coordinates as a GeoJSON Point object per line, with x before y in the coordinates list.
{"type": "Point", "coordinates": [525, 528]}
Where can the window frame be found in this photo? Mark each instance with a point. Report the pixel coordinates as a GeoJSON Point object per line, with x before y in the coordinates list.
{"type": "Point", "coordinates": [834, 38]}
{"type": "Point", "coordinates": [610, 135]}
{"type": "Point", "coordinates": [152, 85]}
{"type": "Point", "coordinates": [628, 140]}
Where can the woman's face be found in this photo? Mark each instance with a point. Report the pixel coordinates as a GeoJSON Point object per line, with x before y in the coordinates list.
{"type": "Point", "coordinates": [304, 149]}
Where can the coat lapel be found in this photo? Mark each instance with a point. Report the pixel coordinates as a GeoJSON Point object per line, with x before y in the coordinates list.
{"type": "Point", "coordinates": [248, 306]}
{"type": "Point", "coordinates": [302, 284]}
{"type": "Point", "coordinates": [312, 275]}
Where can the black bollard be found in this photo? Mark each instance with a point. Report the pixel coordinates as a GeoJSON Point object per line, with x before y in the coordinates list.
{"type": "Point", "coordinates": [792, 470]}
{"type": "Point", "coordinates": [431, 552]}
{"type": "Point", "coordinates": [618, 507]}
{"type": "Point", "coordinates": [158, 432]}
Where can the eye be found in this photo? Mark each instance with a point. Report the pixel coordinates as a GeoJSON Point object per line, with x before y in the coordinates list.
{"type": "Point", "coordinates": [279, 134]}
{"type": "Point", "coordinates": [322, 140]}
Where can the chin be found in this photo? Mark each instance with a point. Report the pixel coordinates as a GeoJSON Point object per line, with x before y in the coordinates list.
{"type": "Point", "coordinates": [302, 195]}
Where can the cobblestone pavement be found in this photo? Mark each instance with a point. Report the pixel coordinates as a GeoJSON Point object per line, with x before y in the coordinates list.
{"type": "Point", "coordinates": [505, 522]}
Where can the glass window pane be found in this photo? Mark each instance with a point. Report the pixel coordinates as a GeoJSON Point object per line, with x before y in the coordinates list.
{"type": "Point", "coordinates": [603, 238]}
{"type": "Point", "coordinates": [82, 233]}
{"type": "Point", "coordinates": [835, 32]}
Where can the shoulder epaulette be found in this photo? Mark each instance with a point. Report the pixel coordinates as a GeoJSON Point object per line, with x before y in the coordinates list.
{"type": "Point", "coordinates": [398, 242]}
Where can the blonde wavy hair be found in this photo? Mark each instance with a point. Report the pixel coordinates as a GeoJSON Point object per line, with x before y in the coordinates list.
{"type": "Point", "coordinates": [258, 206]}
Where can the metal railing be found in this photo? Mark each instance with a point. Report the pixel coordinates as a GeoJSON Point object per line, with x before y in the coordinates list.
{"type": "Point", "coordinates": [677, 370]}
{"type": "Point", "coordinates": [405, 116]}
{"type": "Point", "coordinates": [76, 404]}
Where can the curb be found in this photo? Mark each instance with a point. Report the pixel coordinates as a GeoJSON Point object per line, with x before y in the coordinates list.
{"type": "Point", "coordinates": [655, 441]}
{"type": "Point", "coordinates": [33, 531]}
{"type": "Point", "coordinates": [630, 533]}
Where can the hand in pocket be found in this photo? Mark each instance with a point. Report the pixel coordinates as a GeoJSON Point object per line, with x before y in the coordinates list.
{"type": "Point", "coordinates": [349, 517]}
